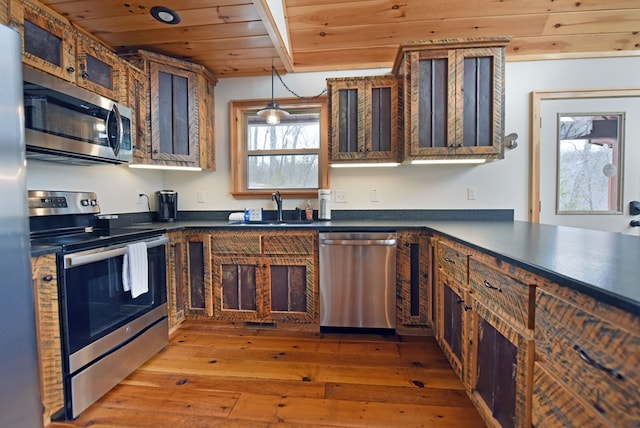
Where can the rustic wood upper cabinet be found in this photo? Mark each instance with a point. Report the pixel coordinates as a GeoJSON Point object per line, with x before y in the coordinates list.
{"type": "Point", "coordinates": [453, 98]}
{"type": "Point", "coordinates": [100, 70]}
{"type": "Point", "coordinates": [48, 41]}
{"type": "Point", "coordinates": [4, 12]}
{"type": "Point", "coordinates": [137, 83]}
{"type": "Point", "coordinates": [180, 105]}
{"type": "Point", "coordinates": [364, 119]}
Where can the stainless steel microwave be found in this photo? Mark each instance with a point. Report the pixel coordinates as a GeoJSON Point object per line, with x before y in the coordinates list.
{"type": "Point", "coordinates": [66, 123]}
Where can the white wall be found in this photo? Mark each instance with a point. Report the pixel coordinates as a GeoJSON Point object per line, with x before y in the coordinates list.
{"type": "Point", "coordinates": [501, 184]}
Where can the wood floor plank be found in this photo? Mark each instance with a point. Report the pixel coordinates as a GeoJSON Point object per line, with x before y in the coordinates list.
{"type": "Point", "coordinates": [229, 376]}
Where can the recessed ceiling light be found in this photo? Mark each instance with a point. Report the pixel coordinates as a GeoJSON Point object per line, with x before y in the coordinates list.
{"type": "Point", "coordinates": [165, 15]}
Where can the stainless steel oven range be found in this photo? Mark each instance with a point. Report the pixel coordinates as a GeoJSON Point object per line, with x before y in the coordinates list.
{"type": "Point", "coordinates": [106, 332]}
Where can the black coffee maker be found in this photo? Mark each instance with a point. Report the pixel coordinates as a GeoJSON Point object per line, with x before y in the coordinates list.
{"type": "Point", "coordinates": [167, 205]}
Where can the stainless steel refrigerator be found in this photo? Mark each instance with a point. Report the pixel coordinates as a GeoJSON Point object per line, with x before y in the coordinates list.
{"type": "Point", "coordinates": [20, 404]}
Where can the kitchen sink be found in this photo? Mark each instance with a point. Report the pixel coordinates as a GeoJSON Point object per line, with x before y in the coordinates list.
{"type": "Point", "coordinates": [276, 222]}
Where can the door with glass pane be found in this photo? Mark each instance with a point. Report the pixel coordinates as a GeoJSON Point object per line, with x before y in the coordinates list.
{"type": "Point", "coordinates": [588, 175]}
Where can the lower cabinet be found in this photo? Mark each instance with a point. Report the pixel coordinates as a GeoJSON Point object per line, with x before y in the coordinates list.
{"type": "Point", "coordinates": [413, 278]}
{"type": "Point", "coordinates": [454, 323]}
{"type": "Point", "coordinates": [49, 342]}
{"type": "Point", "coordinates": [499, 366]}
{"type": "Point", "coordinates": [587, 369]}
{"type": "Point", "coordinates": [199, 292]}
{"type": "Point", "coordinates": [176, 278]}
{"type": "Point", "coordinates": [270, 278]}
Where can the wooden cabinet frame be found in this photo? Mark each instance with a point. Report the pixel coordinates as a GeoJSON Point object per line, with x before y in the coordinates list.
{"type": "Point", "coordinates": [364, 116]}
{"type": "Point", "coordinates": [115, 88]}
{"type": "Point", "coordinates": [413, 301]}
{"type": "Point", "coordinates": [452, 96]}
{"type": "Point", "coordinates": [524, 343]}
{"type": "Point", "coordinates": [22, 11]}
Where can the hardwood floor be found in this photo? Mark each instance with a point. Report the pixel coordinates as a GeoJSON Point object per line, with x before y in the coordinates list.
{"type": "Point", "coordinates": [214, 376]}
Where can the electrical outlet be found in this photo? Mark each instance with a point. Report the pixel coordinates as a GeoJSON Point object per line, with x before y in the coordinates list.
{"type": "Point", "coordinates": [200, 196]}
{"type": "Point", "coordinates": [375, 197]}
{"type": "Point", "coordinates": [341, 196]}
{"type": "Point", "coordinates": [472, 193]}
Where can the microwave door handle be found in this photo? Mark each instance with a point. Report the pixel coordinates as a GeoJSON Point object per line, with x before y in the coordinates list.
{"type": "Point", "coordinates": [115, 143]}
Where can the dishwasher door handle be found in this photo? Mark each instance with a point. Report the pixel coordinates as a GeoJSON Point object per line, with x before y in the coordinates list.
{"type": "Point", "coordinates": [359, 242]}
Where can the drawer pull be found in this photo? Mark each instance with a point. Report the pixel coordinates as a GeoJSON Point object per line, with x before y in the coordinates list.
{"type": "Point", "coordinates": [464, 305]}
{"type": "Point", "coordinates": [593, 363]}
{"type": "Point", "coordinates": [447, 259]}
{"type": "Point", "coordinates": [491, 287]}
{"type": "Point", "coordinates": [47, 278]}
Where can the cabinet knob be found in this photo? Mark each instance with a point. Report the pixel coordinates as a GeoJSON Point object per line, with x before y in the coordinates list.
{"type": "Point", "coordinates": [155, 152]}
{"type": "Point", "coordinates": [264, 266]}
{"type": "Point", "coordinates": [84, 74]}
{"type": "Point", "coordinates": [47, 278]}
{"type": "Point", "coordinates": [71, 69]}
{"type": "Point", "coordinates": [464, 305]}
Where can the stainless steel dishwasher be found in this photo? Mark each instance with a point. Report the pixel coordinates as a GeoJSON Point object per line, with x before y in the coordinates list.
{"type": "Point", "coordinates": [358, 280]}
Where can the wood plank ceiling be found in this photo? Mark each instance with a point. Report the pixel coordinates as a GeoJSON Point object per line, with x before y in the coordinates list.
{"type": "Point", "coordinates": [230, 38]}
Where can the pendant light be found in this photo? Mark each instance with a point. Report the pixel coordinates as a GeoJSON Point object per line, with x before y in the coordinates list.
{"type": "Point", "coordinates": [272, 111]}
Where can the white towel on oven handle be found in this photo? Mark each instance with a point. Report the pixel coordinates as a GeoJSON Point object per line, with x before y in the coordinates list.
{"type": "Point", "coordinates": [135, 275]}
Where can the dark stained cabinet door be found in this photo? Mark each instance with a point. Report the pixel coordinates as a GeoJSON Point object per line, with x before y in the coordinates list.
{"type": "Point", "coordinates": [200, 292]}
{"type": "Point", "coordinates": [453, 98]}
{"type": "Point", "coordinates": [495, 376]}
{"type": "Point", "coordinates": [364, 119]}
{"type": "Point", "coordinates": [288, 288]}
{"type": "Point", "coordinates": [453, 323]}
{"type": "Point", "coordinates": [174, 114]}
{"type": "Point", "coordinates": [413, 277]}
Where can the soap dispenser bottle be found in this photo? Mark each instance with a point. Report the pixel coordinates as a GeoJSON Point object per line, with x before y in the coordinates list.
{"type": "Point", "coordinates": [309, 211]}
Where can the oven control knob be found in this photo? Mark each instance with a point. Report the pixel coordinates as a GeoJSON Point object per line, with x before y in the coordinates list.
{"type": "Point", "coordinates": [94, 202]}
{"type": "Point", "coordinates": [84, 202]}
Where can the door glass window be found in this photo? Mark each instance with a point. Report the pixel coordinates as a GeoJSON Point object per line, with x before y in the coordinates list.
{"type": "Point", "coordinates": [589, 167]}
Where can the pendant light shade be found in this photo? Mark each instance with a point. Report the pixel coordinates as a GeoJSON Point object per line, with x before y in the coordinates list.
{"type": "Point", "coordinates": [272, 111]}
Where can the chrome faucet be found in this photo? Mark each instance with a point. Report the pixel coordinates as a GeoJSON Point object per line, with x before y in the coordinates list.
{"type": "Point", "coordinates": [275, 196]}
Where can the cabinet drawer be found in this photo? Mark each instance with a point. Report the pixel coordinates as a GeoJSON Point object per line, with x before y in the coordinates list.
{"type": "Point", "coordinates": [236, 243]}
{"type": "Point", "coordinates": [504, 295]}
{"type": "Point", "coordinates": [288, 244]}
{"type": "Point", "coordinates": [555, 406]}
{"type": "Point", "coordinates": [597, 360]}
{"type": "Point", "coordinates": [453, 262]}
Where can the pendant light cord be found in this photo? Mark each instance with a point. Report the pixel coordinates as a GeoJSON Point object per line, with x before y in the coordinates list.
{"type": "Point", "coordinates": [273, 69]}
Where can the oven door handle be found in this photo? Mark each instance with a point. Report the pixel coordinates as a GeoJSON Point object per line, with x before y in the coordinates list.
{"type": "Point", "coordinates": [100, 254]}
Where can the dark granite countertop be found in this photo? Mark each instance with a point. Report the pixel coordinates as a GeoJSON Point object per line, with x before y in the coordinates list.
{"type": "Point", "coordinates": [603, 265]}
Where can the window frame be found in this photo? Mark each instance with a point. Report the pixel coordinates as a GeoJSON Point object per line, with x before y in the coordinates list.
{"type": "Point", "coordinates": [239, 152]}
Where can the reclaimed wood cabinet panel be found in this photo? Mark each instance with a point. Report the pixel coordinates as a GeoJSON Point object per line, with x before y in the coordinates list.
{"type": "Point", "coordinates": [364, 119]}
{"type": "Point", "coordinates": [136, 100]}
{"type": "Point", "coordinates": [4, 12]}
{"type": "Point", "coordinates": [292, 243]}
{"type": "Point", "coordinates": [453, 98]}
{"type": "Point", "coordinates": [453, 334]}
{"type": "Point", "coordinates": [199, 286]}
{"type": "Point", "coordinates": [48, 335]}
{"type": "Point", "coordinates": [554, 406]}
{"type": "Point", "coordinates": [413, 278]}
{"type": "Point", "coordinates": [176, 278]}
{"type": "Point", "coordinates": [500, 364]}
{"type": "Point", "coordinates": [180, 106]}
{"type": "Point", "coordinates": [100, 70]}
{"type": "Point", "coordinates": [595, 357]}
{"type": "Point", "coordinates": [266, 276]}
{"type": "Point", "coordinates": [48, 41]}
{"type": "Point", "coordinates": [453, 258]}
{"type": "Point", "coordinates": [507, 296]}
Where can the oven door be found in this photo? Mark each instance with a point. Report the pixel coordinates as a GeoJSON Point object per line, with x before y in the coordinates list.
{"type": "Point", "coordinates": [98, 315]}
